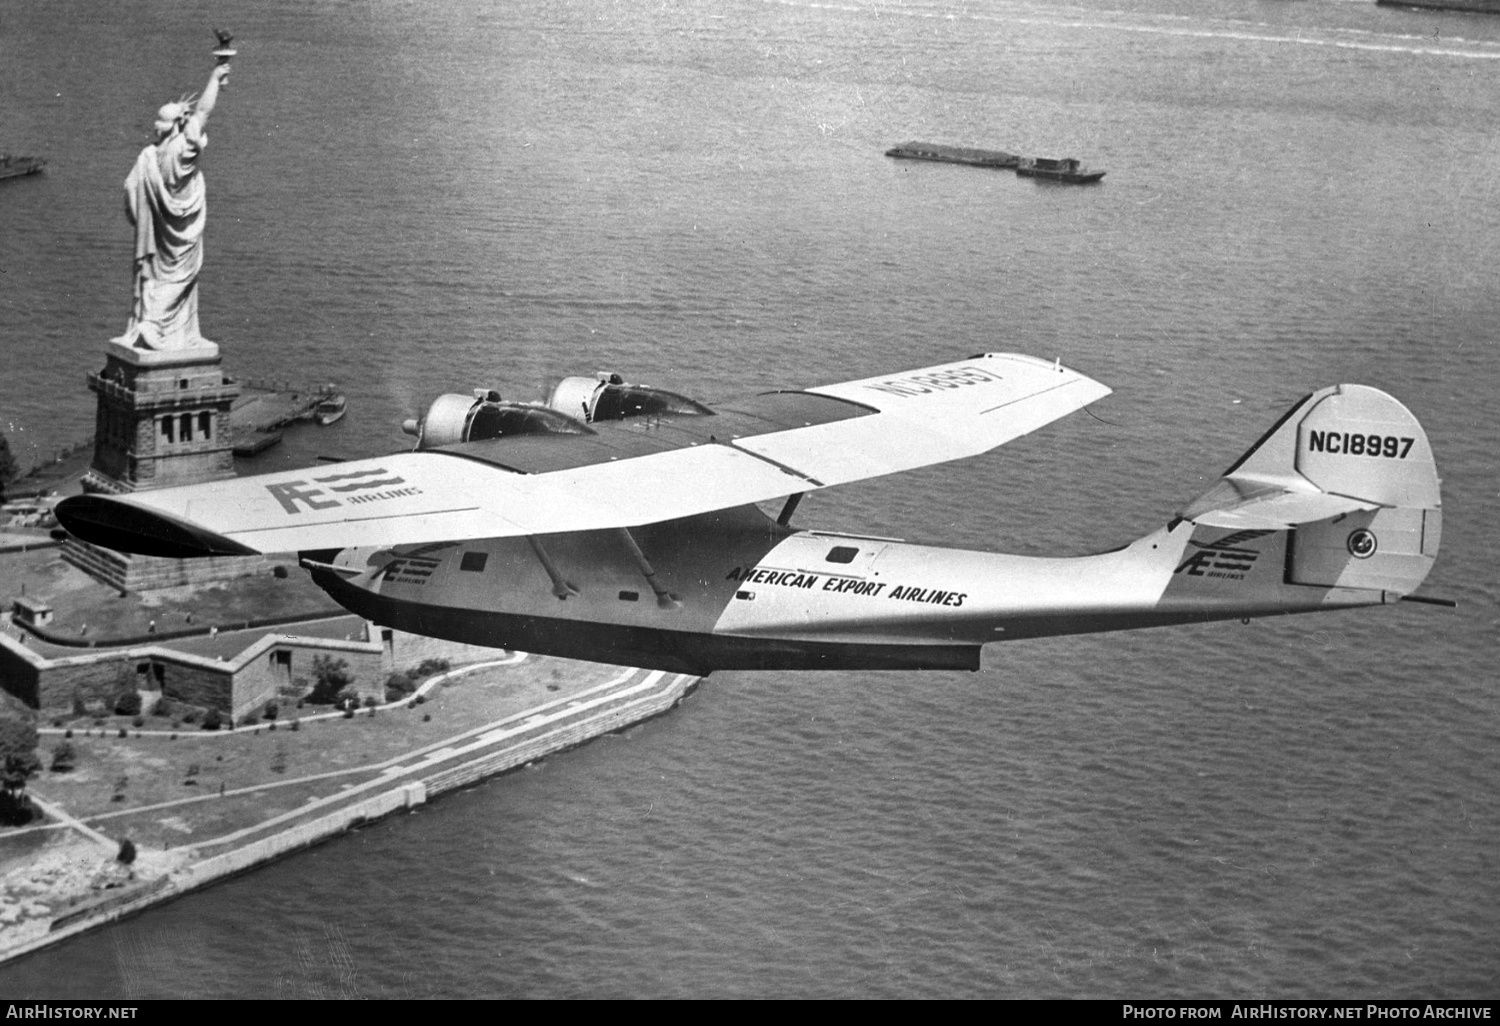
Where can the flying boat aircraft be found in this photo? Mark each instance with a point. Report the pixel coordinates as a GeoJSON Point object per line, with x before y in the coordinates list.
{"type": "Point", "coordinates": [619, 523]}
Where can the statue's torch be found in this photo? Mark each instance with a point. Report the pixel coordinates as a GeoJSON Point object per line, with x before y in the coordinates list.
{"type": "Point", "coordinates": [224, 52]}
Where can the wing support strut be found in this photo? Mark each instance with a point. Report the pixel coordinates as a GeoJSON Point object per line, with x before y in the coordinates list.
{"type": "Point", "coordinates": [664, 598]}
{"type": "Point", "coordinates": [561, 587]}
{"type": "Point", "coordinates": [791, 507]}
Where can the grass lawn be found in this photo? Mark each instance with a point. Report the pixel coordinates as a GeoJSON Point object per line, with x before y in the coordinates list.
{"type": "Point", "coordinates": [78, 600]}
{"type": "Point", "coordinates": [148, 770]}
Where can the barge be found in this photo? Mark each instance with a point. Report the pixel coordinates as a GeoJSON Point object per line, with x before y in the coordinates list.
{"type": "Point", "coordinates": [954, 155]}
{"type": "Point", "coordinates": [12, 167]}
{"type": "Point", "coordinates": [1473, 6]}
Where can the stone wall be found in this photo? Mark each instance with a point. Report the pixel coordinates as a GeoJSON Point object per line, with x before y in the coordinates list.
{"type": "Point", "coordinates": [143, 573]}
{"type": "Point", "coordinates": [236, 687]}
{"type": "Point", "coordinates": [404, 651]}
{"type": "Point", "coordinates": [19, 676]}
{"type": "Point", "coordinates": [267, 668]}
{"type": "Point", "coordinates": [17, 727]}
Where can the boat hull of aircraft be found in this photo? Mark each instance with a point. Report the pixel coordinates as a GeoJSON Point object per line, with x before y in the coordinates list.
{"type": "Point", "coordinates": [799, 600]}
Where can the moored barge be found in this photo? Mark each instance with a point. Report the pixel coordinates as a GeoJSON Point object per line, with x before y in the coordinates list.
{"type": "Point", "coordinates": [954, 155]}
{"type": "Point", "coordinates": [1474, 6]}
{"type": "Point", "coordinates": [10, 167]}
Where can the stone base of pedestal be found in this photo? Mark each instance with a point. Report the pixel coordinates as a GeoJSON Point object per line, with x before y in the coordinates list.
{"type": "Point", "coordinates": [125, 572]}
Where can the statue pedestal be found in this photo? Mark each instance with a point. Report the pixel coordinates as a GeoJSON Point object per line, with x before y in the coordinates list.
{"type": "Point", "coordinates": [162, 420]}
{"type": "Point", "coordinates": [124, 572]}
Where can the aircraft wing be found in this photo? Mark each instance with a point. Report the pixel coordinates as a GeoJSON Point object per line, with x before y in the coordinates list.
{"type": "Point", "coordinates": [822, 436]}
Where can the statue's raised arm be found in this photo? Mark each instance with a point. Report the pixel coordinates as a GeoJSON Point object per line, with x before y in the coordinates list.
{"type": "Point", "coordinates": [165, 200]}
{"type": "Point", "coordinates": [217, 80]}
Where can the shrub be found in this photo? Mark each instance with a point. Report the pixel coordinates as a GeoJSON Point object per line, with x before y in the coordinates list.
{"type": "Point", "coordinates": [64, 757]}
{"type": "Point", "coordinates": [296, 724]}
{"type": "Point", "coordinates": [332, 676]}
{"type": "Point", "coordinates": [213, 721]}
{"type": "Point", "coordinates": [432, 667]}
{"type": "Point", "coordinates": [124, 732]}
{"type": "Point", "coordinates": [139, 721]}
{"type": "Point", "coordinates": [68, 732]}
{"type": "Point", "coordinates": [127, 852]}
{"type": "Point", "coordinates": [271, 711]}
{"type": "Point", "coordinates": [128, 703]}
{"type": "Point", "coordinates": [279, 572]}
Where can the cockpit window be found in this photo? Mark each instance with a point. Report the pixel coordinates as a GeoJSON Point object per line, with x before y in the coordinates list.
{"type": "Point", "coordinates": [842, 554]}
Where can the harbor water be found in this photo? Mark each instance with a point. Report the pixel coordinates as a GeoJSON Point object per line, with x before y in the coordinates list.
{"type": "Point", "coordinates": [412, 198]}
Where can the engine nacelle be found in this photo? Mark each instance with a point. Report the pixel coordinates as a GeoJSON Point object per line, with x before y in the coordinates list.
{"type": "Point", "coordinates": [454, 418]}
{"type": "Point", "coordinates": [611, 397]}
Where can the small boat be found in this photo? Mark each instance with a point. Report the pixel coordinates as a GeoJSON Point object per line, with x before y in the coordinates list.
{"type": "Point", "coordinates": [1063, 170]}
{"type": "Point", "coordinates": [257, 444]}
{"type": "Point", "coordinates": [10, 166]}
{"type": "Point", "coordinates": [330, 409]}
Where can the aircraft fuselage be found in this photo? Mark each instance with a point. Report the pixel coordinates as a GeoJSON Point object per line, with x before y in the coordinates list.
{"type": "Point", "coordinates": [736, 590]}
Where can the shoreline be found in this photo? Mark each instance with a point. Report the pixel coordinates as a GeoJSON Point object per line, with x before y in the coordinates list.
{"type": "Point", "coordinates": [573, 714]}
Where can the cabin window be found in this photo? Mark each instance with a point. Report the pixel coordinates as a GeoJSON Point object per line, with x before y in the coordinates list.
{"type": "Point", "coordinates": [473, 561]}
{"type": "Point", "coordinates": [168, 429]}
{"type": "Point", "coordinates": [842, 554]}
{"type": "Point", "coordinates": [205, 424]}
{"type": "Point", "coordinates": [630, 596]}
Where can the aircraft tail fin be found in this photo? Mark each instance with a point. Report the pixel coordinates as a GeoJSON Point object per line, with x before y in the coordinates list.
{"type": "Point", "coordinates": [1349, 472]}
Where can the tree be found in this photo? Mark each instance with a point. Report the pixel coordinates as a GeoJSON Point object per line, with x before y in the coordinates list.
{"type": "Point", "coordinates": [8, 467]}
{"type": "Point", "coordinates": [15, 804]}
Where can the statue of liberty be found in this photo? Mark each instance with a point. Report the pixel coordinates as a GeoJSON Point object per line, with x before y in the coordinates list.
{"type": "Point", "coordinates": [165, 201]}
